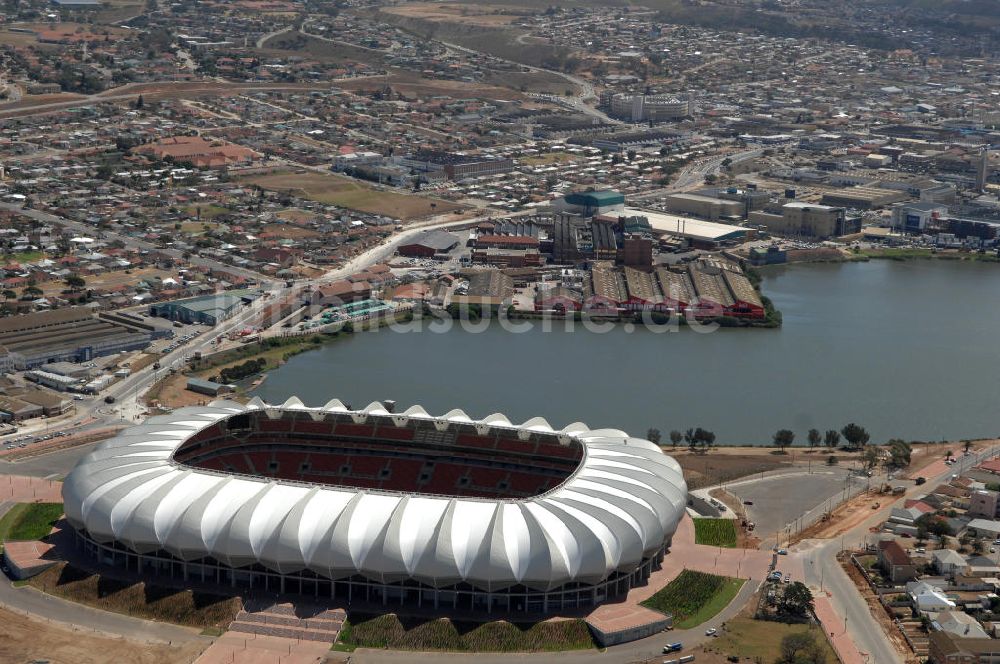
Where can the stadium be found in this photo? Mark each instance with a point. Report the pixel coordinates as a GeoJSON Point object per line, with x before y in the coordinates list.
{"type": "Point", "coordinates": [382, 507]}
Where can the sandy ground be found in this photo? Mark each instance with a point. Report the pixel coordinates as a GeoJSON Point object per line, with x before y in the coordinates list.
{"type": "Point", "coordinates": [23, 640]}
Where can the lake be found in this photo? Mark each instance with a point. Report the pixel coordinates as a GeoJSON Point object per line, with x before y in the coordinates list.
{"type": "Point", "coordinates": [906, 349]}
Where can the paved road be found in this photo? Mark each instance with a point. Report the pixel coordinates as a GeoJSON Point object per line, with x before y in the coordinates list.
{"type": "Point", "coordinates": [57, 463]}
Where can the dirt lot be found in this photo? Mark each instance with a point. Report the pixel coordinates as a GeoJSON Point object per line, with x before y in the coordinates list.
{"type": "Point", "coordinates": [462, 14]}
{"type": "Point", "coordinates": [843, 518]}
{"type": "Point", "coordinates": [719, 466]}
{"type": "Point", "coordinates": [344, 192]}
{"type": "Point", "coordinates": [24, 640]}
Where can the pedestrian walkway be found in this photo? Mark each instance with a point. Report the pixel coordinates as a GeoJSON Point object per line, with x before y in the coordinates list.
{"type": "Point", "coordinates": [23, 489]}
{"type": "Point", "coordinates": [237, 648]}
{"type": "Point", "coordinates": [298, 621]}
{"type": "Point", "coordinates": [834, 627]}
{"type": "Point", "coordinates": [685, 554]}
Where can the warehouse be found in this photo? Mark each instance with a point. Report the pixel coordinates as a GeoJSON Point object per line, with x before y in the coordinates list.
{"type": "Point", "coordinates": [208, 310]}
{"type": "Point", "coordinates": [428, 244]}
{"type": "Point", "coordinates": [704, 207]}
{"type": "Point", "coordinates": [701, 234]}
{"type": "Point", "coordinates": [807, 220]}
{"type": "Point", "coordinates": [72, 335]}
{"type": "Point", "coordinates": [864, 198]}
{"type": "Point", "coordinates": [590, 203]}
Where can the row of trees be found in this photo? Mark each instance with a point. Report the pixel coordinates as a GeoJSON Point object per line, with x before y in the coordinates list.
{"type": "Point", "coordinates": [854, 436]}
{"type": "Point", "coordinates": [698, 440]}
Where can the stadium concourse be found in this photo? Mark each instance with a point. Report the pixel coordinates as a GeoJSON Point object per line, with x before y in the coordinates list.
{"type": "Point", "coordinates": [402, 509]}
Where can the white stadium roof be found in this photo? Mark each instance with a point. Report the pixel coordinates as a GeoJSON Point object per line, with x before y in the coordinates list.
{"type": "Point", "coordinates": [617, 508]}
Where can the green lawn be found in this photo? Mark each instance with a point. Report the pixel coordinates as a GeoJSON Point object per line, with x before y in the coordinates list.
{"type": "Point", "coordinates": [395, 633]}
{"type": "Point", "coordinates": [29, 521]}
{"type": "Point", "coordinates": [715, 532]}
{"type": "Point", "coordinates": [24, 257]}
{"type": "Point", "coordinates": [694, 597]}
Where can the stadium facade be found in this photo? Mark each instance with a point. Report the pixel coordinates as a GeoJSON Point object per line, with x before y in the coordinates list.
{"type": "Point", "coordinates": [377, 506]}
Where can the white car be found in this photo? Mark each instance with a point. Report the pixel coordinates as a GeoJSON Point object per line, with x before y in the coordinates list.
{"type": "Point", "coordinates": [711, 631]}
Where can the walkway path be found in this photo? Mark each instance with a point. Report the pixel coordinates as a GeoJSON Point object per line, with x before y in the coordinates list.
{"type": "Point", "coordinates": [251, 649]}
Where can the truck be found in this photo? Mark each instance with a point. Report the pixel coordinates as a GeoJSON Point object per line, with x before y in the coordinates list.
{"type": "Point", "coordinates": [673, 647]}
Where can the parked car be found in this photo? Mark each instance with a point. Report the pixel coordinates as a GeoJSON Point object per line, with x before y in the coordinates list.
{"type": "Point", "coordinates": [711, 631]}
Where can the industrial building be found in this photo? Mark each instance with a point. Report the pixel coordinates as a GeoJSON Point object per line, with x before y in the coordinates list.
{"type": "Point", "coordinates": [863, 198]}
{"type": "Point", "coordinates": [807, 220]}
{"type": "Point", "coordinates": [651, 108]}
{"type": "Point", "coordinates": [428, 244]}
{"type": "Point", "coordinates": [915, 217]}
{"type": "Point", "coordinates": [206, 310]}
{"type": "Point", "coordinates": [707, 288]}
{"type": "Point", "coordinates": [590, 203]}
{"type": "Point", "coordinates": [456, 166]}
{"type": "Point", "coordinates": [487, 288]}
{"type": "Point", "coordinates": [73, 335]}
{"type": "Point", "coordinates": [575, 239]}
{"type": "Point", "coordinates": [699, 233]}
{"type": "Point", "coordinates": [704, 207]}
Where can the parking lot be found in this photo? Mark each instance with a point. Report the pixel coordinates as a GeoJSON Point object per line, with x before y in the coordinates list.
{"type": "Point", "coordinates": [781, 499]}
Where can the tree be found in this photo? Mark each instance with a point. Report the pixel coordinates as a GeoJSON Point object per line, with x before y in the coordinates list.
{"type": "Point", "coordinates": [676, 437]}
{"type": "Point", "coordinates": [783, 438]}
{"type": "Point", "coordinates": [831, 460]}
{"type": "Point", "coordinates": [653, 436]}
{"type": "Point", "coordinates": [869, 458]}
{"type": "Point", "coordinates": [966, 446]}
{"type": "Point", "coordinates": [797, 600]}
{"type": "Point", "coordinates": [977, 546]}
{"type": "Point", "coordinates": [699, 440]}
{"type": "Point", "coordinates": [948, 455]}
{"type": "Point", "coordinates": [899, 453]}
{"type": "Point", "coordinates": [75, 281]}
{"type": "Point", "coordinates": [934, 525]}
{"type": "Point", "coordinates": [856, 436]}
{"type": "Point", "coordinates": [799, 648]}
{"type": "Point", "coordinates": [832, 438]}
{"type": "Point", "coordinates": [814, 437]}
{"type": "Point", "coordinates": [32, 292]}
{"type": "Point", "coordinates": [139, 103]}
{"type": "Point", "coordinates": [9, 295]}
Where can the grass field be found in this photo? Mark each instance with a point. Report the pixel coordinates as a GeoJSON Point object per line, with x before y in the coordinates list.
{"type": "Point", "coordinates": [24, 256]}
{"type": "Point", "coordinates": [694, 597]}
{"type": "Point", "coordinates": [715, 532]}
{"type": "Point", "coordinates": [29, 521]}
{"type": "Point", "coordinates": [760, 641]}
{"type": "Point", "coordinates": [392, 632]}
{"type": "Point", "coordinates": [182, 607]}
{"type": "Point", "coordinates": [347, 193]}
